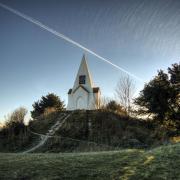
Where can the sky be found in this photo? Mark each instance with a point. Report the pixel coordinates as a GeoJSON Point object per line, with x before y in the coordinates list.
{"type": "Point", "coordinates": [140, 36]}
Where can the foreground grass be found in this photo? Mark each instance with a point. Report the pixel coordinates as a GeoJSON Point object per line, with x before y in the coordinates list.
{"type": "Point", "coordinates": [160, 163]}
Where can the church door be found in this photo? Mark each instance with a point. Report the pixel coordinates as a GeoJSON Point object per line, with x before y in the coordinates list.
{"type": "Point", "coordinates": [80, 103]}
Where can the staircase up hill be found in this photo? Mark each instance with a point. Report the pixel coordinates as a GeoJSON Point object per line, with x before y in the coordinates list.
{"type": "Point", "coordinates": [43, 138]}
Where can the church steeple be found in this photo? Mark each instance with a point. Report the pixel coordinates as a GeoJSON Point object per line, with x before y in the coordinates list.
{"type": "Point", "coordinates": [83, 95]}
{"type": "Point", "coordinates": [83, 77]}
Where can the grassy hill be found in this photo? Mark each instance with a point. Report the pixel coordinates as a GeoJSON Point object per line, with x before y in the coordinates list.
{"type": "Point", "coordinates": [101, 127]}
{"type": "Point", "coordinates": [86, 131]}
{"type": "Point", "coordinates": [159, 163]}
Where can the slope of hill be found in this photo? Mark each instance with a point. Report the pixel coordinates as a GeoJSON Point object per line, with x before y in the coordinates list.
{"type": "Point", "coordinates": [84, 131]}
{"type": "Point", "coordinates": [159, 163]}
{"type": "Point", "coordinates": [100, 127]}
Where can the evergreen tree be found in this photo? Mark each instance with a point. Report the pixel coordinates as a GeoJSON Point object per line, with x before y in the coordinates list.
{"type": "Point", "coordinates": [174, 72]}
{"type": "Point", "coordinates": [50, 101]}
{"type": "Point", "coordinates": [161, 96]}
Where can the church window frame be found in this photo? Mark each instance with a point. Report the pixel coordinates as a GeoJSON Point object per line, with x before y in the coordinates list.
{"type": "Point", "coordinates": [82, 79]}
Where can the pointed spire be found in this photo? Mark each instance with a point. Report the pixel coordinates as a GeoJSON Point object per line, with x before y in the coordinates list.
{"type": "Point", "coordinates": [84, 57]}
{"type": "Point", "coordinates": [83, 61]}
{"type": "Point", "coordinates": [83, 71]}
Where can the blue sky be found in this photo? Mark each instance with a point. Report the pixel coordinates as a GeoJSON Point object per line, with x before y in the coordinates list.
{"type": "Point", "coordinates": [140, 36]}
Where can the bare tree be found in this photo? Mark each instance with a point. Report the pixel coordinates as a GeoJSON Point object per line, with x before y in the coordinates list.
{"type": "Point", "coordinates": [104, 101]}
{"type": "Point", "coordinates": [124, 92]}
{"type": "Point", "coordinates": [17, 116]}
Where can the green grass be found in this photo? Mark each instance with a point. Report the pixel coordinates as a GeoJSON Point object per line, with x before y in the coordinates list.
{"type": "Point", "coordinates": [159, 163]}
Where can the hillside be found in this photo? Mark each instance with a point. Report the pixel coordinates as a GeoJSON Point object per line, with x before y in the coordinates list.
{"type": "Point", "coordinates": [159, 163]}
{"type": "Point", "coordinates": [84, 131]}
{"type": "Point", "coordinates": [93, 130]}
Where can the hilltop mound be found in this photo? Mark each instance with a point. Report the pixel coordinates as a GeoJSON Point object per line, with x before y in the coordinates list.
{"type": "Point", "coordinates": [83, 131]}
{"type": "Point", "coordinates": [93, 130]}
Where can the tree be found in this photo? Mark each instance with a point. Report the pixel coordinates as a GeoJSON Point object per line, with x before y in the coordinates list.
{"type": "Point", "coordinates": [160, 96]}
{"type": "Point", "coordinates": [14, 135]}
{"type": "Point", "coordinates": [115, 107]}
{"type": "Point", "coordinates": [50, 102]}
{"type": "Point", "coordinates": [17, 116]}
{"type": "Point", "coordinates": [154, 97]}
{"type": "Point", "coordinates": [124, 92]}
{"type": "Point", "coordinates": [174, 73]}
{"type": "Point", "coordinates": [104, 101]}
{"type": "Point", "coordinates": [15, 121]}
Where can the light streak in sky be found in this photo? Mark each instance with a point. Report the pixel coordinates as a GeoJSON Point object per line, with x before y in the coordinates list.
{"type": "Point", "coordinates": [41, 25]}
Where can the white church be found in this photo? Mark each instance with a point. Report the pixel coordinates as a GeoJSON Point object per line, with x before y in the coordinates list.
{"type": "Point", "coordinates": [83, 95]}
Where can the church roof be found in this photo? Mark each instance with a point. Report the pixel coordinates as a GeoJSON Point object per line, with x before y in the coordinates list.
{"type": "Point", "coordinates": [95, 89]}
{"type": "Point", "coordinates": [81, 87]}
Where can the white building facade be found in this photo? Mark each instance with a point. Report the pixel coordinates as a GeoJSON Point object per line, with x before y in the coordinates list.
{"type": "Point", "coordinates": [83, 95]}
